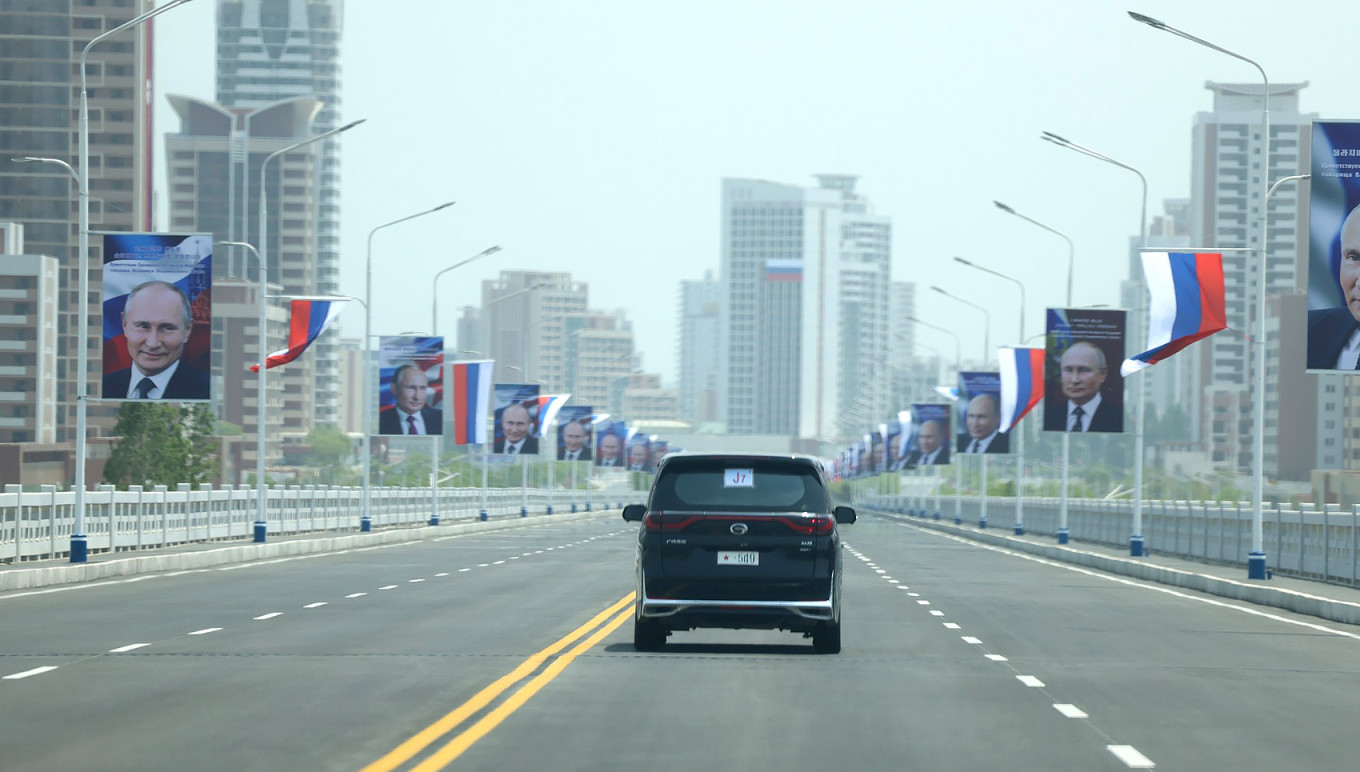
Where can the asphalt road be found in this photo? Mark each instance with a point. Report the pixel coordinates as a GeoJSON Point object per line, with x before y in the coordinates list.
{"type": "Point", "coordinates": [512, 650]}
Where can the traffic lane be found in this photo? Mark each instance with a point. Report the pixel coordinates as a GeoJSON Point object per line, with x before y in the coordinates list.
{"type": "Point", "coordinates": [1191, 680]}
{"type": "Point", "coordinates": [92, 618]}
{"type": "Point", "coordinates": [275, 693]}
{"type": "Point", "coordinates": [905, 693]}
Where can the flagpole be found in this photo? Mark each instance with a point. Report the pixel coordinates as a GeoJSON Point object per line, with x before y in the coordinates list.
{"type": "Point", "coordinates": [434, 478]}
{"type": "Point", "coordinates": [486, 469]}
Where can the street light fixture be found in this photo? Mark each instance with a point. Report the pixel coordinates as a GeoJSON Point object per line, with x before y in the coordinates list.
{"type": "Point", "coordinates": [1071, 248]}
{"type": "Point", "coordinates": [261, 529]}
{"type": "Point", "coordinates": [1256, 560]}
{"type": "Point", "coordinates": [366, 519]}
{"type": "Point", "coordinates": [958, 358]}
{"type": "Point", "coordinates": [434, 308]}
{"type": "Point", "coordinates": [986, 318]}
{"type": "Point", "coordinates": [1136, 538]}
{"type": "Point", "coordinates": [79, 543]}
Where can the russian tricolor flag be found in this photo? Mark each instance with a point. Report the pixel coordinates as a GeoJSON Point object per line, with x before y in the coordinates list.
{"type": "Point", "coordinates": [783, 269]}
{"type": "Point", "coordinates": [1187, 303]}
{"type": "Point", "coordinates": [1022, 383]}
{"type": "Point", "coordinates": [547, 410]}
{"type": "Point", "coordinates": [309, 319]}
{"type": "Point", "coordinates": [470, 386]}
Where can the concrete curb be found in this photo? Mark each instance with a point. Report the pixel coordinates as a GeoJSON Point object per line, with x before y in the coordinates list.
{"type": "Point", "coordinates": [32, 578]}
{"type": "Point", "coordinates": [1276, 597]}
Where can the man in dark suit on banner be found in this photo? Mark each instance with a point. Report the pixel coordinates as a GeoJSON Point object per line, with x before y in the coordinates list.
{"type": "Point", "coordinates": [574, 443]}
{"type": "Point", "coordinates": [1080, 405]}
{"type": "Point", "coordinates": [931, 448]}
{"type": "Point", "coordinates": [410, 387]}
{"type": "Point", "coordinates": [157, 321]}
{"type": "Point", "coordinates": [516, 437]}
{"type": "Point", "coordinates": [1334, 333]}
{"type": "Point", "coordinates": [982, 422]}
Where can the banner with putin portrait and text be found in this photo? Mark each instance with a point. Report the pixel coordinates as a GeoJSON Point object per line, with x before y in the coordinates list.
{"type": "Point", "coordinates": [1083, 390]}
{"type": "Point", "coordinates": [157, 316]}
{"type": "Point", "coordinates": [1334, 248]}
{"type": "Point", "coordinates": [410, 385]}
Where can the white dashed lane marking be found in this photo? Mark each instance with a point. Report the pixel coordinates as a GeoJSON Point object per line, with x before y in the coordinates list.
{"type": "Point", "coordinates": [29, 673]}
{"type": "Point", "coordinates": [1069, 710]}
{"type": "Point", "coordinates": [1131, 757]}
{"type": "Point", "coordinates": [270, 615]}
{"type": "Point", "coordinates": [129, 647]}
{"type": "Point", "coordinates": [206, 630]}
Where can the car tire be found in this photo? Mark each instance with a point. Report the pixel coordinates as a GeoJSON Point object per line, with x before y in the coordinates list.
{"type": "Point", "coordinates": [648, 635]}
{"type": "Point", "coordinates": [827, 638]}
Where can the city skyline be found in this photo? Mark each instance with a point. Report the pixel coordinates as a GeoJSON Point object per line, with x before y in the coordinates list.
{"type": "Point", "coordinates": [547, 113]}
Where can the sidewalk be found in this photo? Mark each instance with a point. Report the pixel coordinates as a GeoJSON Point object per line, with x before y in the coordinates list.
{"type": "Point", "coordinates": [1333, 602]}
{"type": "Point", "coordinates": [197, 555]}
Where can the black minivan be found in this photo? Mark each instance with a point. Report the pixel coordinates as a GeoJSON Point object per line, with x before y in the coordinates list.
{"type": "Point", "coordinates": [738, 541]}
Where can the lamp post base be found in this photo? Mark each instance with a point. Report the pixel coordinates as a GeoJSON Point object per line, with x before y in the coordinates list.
{"type": "Point", "coordinates": [261, 532]}
{"type": "Point", "coordinates": [1019, 529]}
{"type": "Point", "coordinates": [1062, 535]}
{"type": "Point", "coordinates": [548, 510]}
{"type": "Point", "coordinates": [1136, 546]}
{"type": "Point", "coordinates": [434, 520]}
{"type": "Point", "coordinates": [523, 511]}
{"type": "Point", "coordinates": [80, 548]}
{"type": "Point", "coordinates": [937, 514]}
{"type": "Point", "coordinates": [982, 522]}
{"type": "Point", "coordinates": [365, 524]}
{"type": "Point", "coordinates": [482, 515]}
{"type": "Point", "coordinates": [958, 519]}
{"type": "Point", "coordinates": [1256, 565]}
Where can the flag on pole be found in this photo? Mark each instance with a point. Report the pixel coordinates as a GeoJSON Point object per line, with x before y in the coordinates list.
{"type": "Point", "coordinates": [1187, 303]}
{"type": "Point", "coordinates": [548, 405]}
{"type": "Point", "coordinates": [309, 318]}
{"type": "Point", "coordinates": [783, 269]}
{"type": "Point", "coordinates": [1022, 383]}
{"type": "Point", "coordinates": [470, 386]}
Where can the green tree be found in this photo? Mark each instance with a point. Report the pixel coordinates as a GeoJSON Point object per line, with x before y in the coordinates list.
{"type": "Point", "coordinates": [331, 452]}
{"type": "Point", "coordinates": [162, 444]}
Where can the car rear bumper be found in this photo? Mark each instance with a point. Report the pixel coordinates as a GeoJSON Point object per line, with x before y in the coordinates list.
{"type": "Point", "coordinates": [686, 614]}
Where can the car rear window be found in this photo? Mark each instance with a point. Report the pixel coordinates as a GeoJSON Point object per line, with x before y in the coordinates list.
{"type": "Point", "coordinates": [779, 487]}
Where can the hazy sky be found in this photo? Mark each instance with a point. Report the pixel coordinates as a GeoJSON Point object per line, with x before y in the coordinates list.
{"type": "Point", "coordinates": [592, 136]}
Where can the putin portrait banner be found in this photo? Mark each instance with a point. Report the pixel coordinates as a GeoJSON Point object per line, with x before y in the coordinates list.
{"type": "Point", "coordinates": [1334, 248]}
{"type": "Point", "coordinates": [978, 411]}
{"type": "Point", "coordinates": [574, 428]}
{"type": "Point", "coordinates": [609, 437]}
{"type": "Point", "coordinates": [929, 443]}
{"type": "Point", "coordinates": [1083, 390]}
{"type": "Point", "coordinates": [516, 407]}
{"type": "Point", "coordinates": [157, 316]}
{"type": "Point", "coordinates": [410, 385]}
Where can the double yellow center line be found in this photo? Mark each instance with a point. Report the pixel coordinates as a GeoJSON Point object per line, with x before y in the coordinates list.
{"type": "Point", "coordinates": [455, 747]}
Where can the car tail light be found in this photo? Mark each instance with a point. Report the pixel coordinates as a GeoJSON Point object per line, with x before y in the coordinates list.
{"type": "Point", "coordinates": [660, 521]}
{"type": "Point", "coordinates": [809, 526]}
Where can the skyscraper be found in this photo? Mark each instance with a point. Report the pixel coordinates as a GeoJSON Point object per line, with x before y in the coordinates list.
{"type": "Point", "coordinates": [805, 284]}
{"type": "Point", "coordinates": [1226, 183]}
{"type": "Point", "coordinates": [271, 50]}
{"type": "Point", "coordinates": [699, 365]}
{"type": "Point", "coordinates": [40, 48]}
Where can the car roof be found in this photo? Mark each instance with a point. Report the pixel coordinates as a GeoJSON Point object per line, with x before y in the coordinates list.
{"type": "Point", "coordinates": [690, 456]}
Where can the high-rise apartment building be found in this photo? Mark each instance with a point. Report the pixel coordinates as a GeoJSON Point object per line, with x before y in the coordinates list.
{"type": "Point", "coordinates": [40, 49]}
{"type": "Point", "coordinates": [1227, 183]}
{"type": "Point", "coordinates": [525, 317]}
{"type": "Point", "coordinates": [805, 284]}
{"type": "Point", "coordinates": [28, 341]}
{"type": "Point", "coordinates": [274, 50]}
{"type": "Point", "coordinates": [213, 178]}
{"type": "Point", "coordinates": [697, 350]}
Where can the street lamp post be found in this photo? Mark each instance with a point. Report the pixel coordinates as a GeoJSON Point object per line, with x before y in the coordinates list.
{"type": "Point", "coordinates": [261, 528]}
{"type": "Point", "coordinates": [366, 520]}
{"type": "Point", "coordinates": [1256, 560]}
{"type": "Point", "coordinates": [958, 366]}
{"type": "Point", "coordinates": [1020, 436]}
{"type": "Point", "coordinates": [261, 342]}
{"type": "Point", "coordinates": [434, 330]}
{"type": "Point", "coordinates": [1140, 401]}
{"type": "Point", "coordinates": [1063, 533]}
{"type": "Point", "coordinates": [79, 543]}
{"type": "Point", "coordinates": [986, 321]}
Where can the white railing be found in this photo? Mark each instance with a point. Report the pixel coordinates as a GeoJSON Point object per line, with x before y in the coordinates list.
{"type": "Point", "coordinates": [38, 525]}
{"type": "Point", "coordinates": [1303, 541]}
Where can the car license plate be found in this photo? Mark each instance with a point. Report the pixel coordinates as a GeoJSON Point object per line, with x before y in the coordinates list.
{"type": "Point", "coordinates": [738, 558]}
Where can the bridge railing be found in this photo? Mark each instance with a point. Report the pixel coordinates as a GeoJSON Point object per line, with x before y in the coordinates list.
{"type": "Point", "coordinates": [37, 525]}
{"type": "Point", "coordinates": [1303, 541]}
